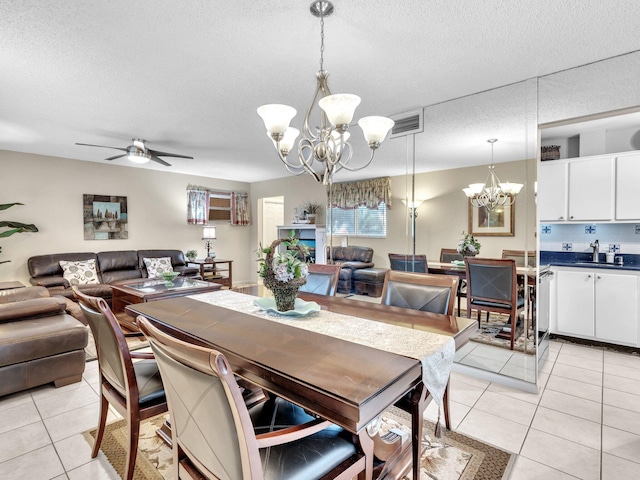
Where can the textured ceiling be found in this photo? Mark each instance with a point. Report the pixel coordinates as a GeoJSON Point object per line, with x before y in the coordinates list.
{"type": "Point", "coordinates": [188, 76]}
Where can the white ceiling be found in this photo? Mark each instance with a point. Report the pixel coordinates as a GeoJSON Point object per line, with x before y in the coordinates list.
{"type": "Point", "coordinates": [187, 76]}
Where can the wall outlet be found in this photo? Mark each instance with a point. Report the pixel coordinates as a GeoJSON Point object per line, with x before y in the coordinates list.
{"type": "Point", "coordinates": [567, 247]}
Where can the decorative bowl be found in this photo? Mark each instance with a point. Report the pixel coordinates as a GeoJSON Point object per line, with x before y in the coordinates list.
{"type": "Point", "coordinates": [169, 276]}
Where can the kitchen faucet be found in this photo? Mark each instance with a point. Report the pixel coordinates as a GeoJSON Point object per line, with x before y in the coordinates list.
{"type": "Point", "coordinates": [596, 250]}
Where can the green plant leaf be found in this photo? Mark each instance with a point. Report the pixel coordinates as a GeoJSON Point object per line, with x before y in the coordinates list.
{"type": "Point", "coordinates": [4, 206]}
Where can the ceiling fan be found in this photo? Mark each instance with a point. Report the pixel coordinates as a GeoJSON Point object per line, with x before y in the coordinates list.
{"type": "Point", "coordinates": [139, 153]}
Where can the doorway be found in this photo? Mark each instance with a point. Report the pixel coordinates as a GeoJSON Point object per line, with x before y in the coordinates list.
{"type": "Point", "coordinates": [272, 215]}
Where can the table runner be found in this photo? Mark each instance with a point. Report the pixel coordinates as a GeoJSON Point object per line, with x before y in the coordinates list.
{"type": "Point", "coordinates": [434, 351]}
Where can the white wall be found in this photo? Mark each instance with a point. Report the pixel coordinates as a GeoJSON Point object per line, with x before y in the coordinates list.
{"type": "Point", "coordinates": [52, 188]}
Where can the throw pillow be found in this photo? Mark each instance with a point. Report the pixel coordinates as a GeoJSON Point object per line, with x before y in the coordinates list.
{"type": "Point", "coordinates": [157, 266]}
{"type": "Point", "coordinates": [79, 273]}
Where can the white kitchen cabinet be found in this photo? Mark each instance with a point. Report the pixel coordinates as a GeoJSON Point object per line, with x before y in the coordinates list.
{"type": "Point", "coordinates": [591, 189]}
{"type": "Point", "coordinates": [627, 191]}
{"type": "Point", "coordinates": [552, 191]}
{"type": "Point", "coordinates": [598, 304]}
{"type": "Point", "coordinates": [575, 314]}
{"type": "Point", "coordinates": [616, 308]}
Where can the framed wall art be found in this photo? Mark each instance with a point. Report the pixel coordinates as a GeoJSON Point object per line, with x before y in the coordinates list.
{"type": "Point", "coordinates": [105, 217]}
{"type": "Point", "coordinates": [492, 223]}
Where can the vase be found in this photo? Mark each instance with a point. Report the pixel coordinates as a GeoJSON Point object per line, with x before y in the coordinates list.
{"type": "Point", "coordinates": [285, 296]}
{"type": "Point", "coordinates": [469, 254]}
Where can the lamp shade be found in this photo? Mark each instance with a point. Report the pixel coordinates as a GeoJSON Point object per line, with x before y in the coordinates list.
{"type": "Point", "coordinates": [340, 107]}
{"type": "Point", "coordinates": [511, 188]}
{"type": "Point", "coordinates": [375, 129]}
{"type": "Point", "coordinates": [276, 117]}
{"type": "Point", "coordinates": [286, 144]}
{"type": "Point", "coordinates": [208, 233]}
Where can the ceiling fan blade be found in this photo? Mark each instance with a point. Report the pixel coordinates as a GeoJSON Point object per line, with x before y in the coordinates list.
{"type": "Point", "coordinates": [101, 146]}
{"type": "Point", "coordinates": [165, 154]}
{"type": "Point", "coordinates": [159, 160]}
{"type": "Point", "coordinates": [117, 156]}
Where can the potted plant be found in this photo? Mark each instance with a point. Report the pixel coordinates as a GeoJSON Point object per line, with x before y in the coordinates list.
{"type": "Point", "coordinates": [312, 209]}
{"type": "Point", "coordinates": [15, 227]}
{"type": "Point", "coordinates": [191, 255]}
{"type": "Point", "coordinates": [468, 246]}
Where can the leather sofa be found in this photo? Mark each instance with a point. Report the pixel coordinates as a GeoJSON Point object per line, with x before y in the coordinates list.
{"type": "Point", "coordinates": [113, 268]}
{"type": "Point", "coordinates": [39, 342]}
{"type": "Point", "coordinates": [350, 259]}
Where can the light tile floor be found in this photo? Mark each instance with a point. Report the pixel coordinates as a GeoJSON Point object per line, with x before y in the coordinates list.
{"type": "Point", "coordinates": [584, 423]}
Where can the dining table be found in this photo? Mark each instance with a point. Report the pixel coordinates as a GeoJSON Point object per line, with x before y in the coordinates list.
{"type": "Point", "coordinates": [347, 362]}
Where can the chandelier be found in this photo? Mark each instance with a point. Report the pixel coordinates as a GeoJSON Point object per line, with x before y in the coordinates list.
{"type": "Point", "coordinates": [492, 193]}
{"type": "Point", "coordinates": [326, 145]}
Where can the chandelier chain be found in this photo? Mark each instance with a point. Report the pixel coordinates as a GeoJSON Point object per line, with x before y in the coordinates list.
{"type": "Point", "coordinates": [321, 44]}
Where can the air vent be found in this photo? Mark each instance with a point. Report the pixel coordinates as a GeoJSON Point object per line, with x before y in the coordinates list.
{"type": "Point", "coordinates": [407, 123]}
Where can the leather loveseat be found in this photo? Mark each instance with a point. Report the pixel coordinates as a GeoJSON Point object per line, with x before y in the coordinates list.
{"type": "Point", "coordinates": [350, 259]}
{"type": "Point", "coordinates": [112, 268]}
{"type": "Point", "coordinates": [39, 342]}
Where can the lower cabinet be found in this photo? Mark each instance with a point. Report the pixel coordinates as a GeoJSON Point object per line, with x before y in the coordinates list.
{"type": "Point", "coordinates": [597, 304]}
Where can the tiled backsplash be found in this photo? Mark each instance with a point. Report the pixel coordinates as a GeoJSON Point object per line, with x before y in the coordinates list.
{"type": "Point", "coordinates": [576, 237]}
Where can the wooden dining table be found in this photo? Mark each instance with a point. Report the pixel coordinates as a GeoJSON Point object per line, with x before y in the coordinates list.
{"type": "Point", "coordinates": [347, 383]}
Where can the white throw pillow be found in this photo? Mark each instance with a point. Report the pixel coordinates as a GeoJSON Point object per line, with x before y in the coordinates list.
{"type": "Point", "coordinates": [79, 273]}
{"type": "Point", "coordinates": [157, 266]}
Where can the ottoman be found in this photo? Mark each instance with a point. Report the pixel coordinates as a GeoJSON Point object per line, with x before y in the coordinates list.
{"type": "Point", "coordinates": [369, 281]}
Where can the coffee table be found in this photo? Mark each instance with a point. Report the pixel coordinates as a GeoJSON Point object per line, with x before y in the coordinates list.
{"type": "Point", "coordinates": [153, 289]}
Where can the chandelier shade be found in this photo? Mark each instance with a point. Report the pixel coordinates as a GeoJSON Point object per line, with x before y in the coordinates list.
{"type": "Point", "coordinates": [493, 193]}
{"type": "Point", "coordinates": [323, 148]}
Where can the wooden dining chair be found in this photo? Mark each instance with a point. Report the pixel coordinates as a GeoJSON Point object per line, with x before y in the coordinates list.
{"type": "Point", "coordinates": [522, 261]}
{"type": "Point", "coordinates": [406, 262]}
{"type": "Point", "coordinates": [420, 291]}
{"type": "Point", "coordinates": [426, 292]}
{"type": "Point", "coordinates": [519, 257]}
{"type": "Point", "coordinates": [448, 255]}
{"type": "Point", "coordinates": [322, 279]}
{"type": "Point", "coordinates": [492, 287]}
{"type": "Point", "coordinates": [215, 436]}
{"type": "Point", "coordinates": [135, 390]}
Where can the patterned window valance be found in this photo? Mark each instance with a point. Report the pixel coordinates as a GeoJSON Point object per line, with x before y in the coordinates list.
{"type": "Point", "coordinates": [363, 193]}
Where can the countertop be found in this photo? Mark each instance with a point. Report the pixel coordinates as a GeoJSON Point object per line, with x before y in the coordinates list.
{"type": "Point", "coordinates": [585, 260]}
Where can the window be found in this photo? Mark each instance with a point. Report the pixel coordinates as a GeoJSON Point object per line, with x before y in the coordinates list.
{"type": "Point", "coordinates": [360, 222]}
{"type": "Point", "coordinates": [219, 206]}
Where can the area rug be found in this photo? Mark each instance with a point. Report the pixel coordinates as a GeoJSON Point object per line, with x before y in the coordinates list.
{"type": "Point", "coordinates": [490, 334]}
{"type": "Point", "coordinates": [452, 457]}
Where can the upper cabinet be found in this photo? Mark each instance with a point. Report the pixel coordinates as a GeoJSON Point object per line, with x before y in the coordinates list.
{"type": "Point", "coordinates": [627, 191]}
{"type": "Point", "coordinates": [592, 189]}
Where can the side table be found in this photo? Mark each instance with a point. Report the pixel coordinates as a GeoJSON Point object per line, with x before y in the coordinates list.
{"type": "Point", "coordinates": [211, 271]}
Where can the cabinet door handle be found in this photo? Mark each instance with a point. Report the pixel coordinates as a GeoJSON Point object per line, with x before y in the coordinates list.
{"type": "Point", "coordinates": [571, 217]}
{"type": "Point", "coordinates": [598, 277]}
{"type": "Point", "coordinates": [561, 218]}
{"type": "Point", "coordinates": [589, 276]}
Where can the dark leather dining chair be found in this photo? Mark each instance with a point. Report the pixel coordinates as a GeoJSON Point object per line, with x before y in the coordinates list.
{"type": "Point", "coordinates": [135, 390]}
{"type": "Point", "coordinates": [420, 291]}
{"type": "Point", "coordinates": [406, 262]}
{"type": "Point", "coordinates": [322, 279]}
{"type": "Point", "coordinates": [426, 292]}
{"type": "Point", "coordinates": [448, 255]}
{"type": "Point", "coordinates": [492, 287]}
{"type": "Point", "coordinates": [215, 435]}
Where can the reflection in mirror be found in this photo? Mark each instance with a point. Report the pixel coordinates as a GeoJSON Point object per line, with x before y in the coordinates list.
{"type": "Point", "coordinates": [454, 145]}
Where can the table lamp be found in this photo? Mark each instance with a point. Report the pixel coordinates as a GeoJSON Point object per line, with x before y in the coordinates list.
{"type": "Point", "coordinates": [208, 234]}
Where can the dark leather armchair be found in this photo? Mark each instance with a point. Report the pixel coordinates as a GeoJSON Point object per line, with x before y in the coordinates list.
{"type": "Point", "coordinates": [492, 287]}
{"type": "Point", "coordinates": [39, 341]}
{"type": "Point", "coordinates": [134, 389]}
{"type": "Point", "coordinates": [405, 262]}
{"type": "Point", "coordinates": [272, 440]}
{"type": "Point", "coordinates": [322, 279]}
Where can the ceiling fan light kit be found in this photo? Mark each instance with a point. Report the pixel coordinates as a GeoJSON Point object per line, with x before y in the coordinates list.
{"type": "Point", "coordinates": [139, 153]}
{"type": "Point", "coordinates": [327, 143]}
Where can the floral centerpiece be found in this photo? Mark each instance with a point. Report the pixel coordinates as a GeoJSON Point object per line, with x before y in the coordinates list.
{"type": "Point", "coordinates": [468, 246]}
{"type": "Point", "coordinates": [284, 272]}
